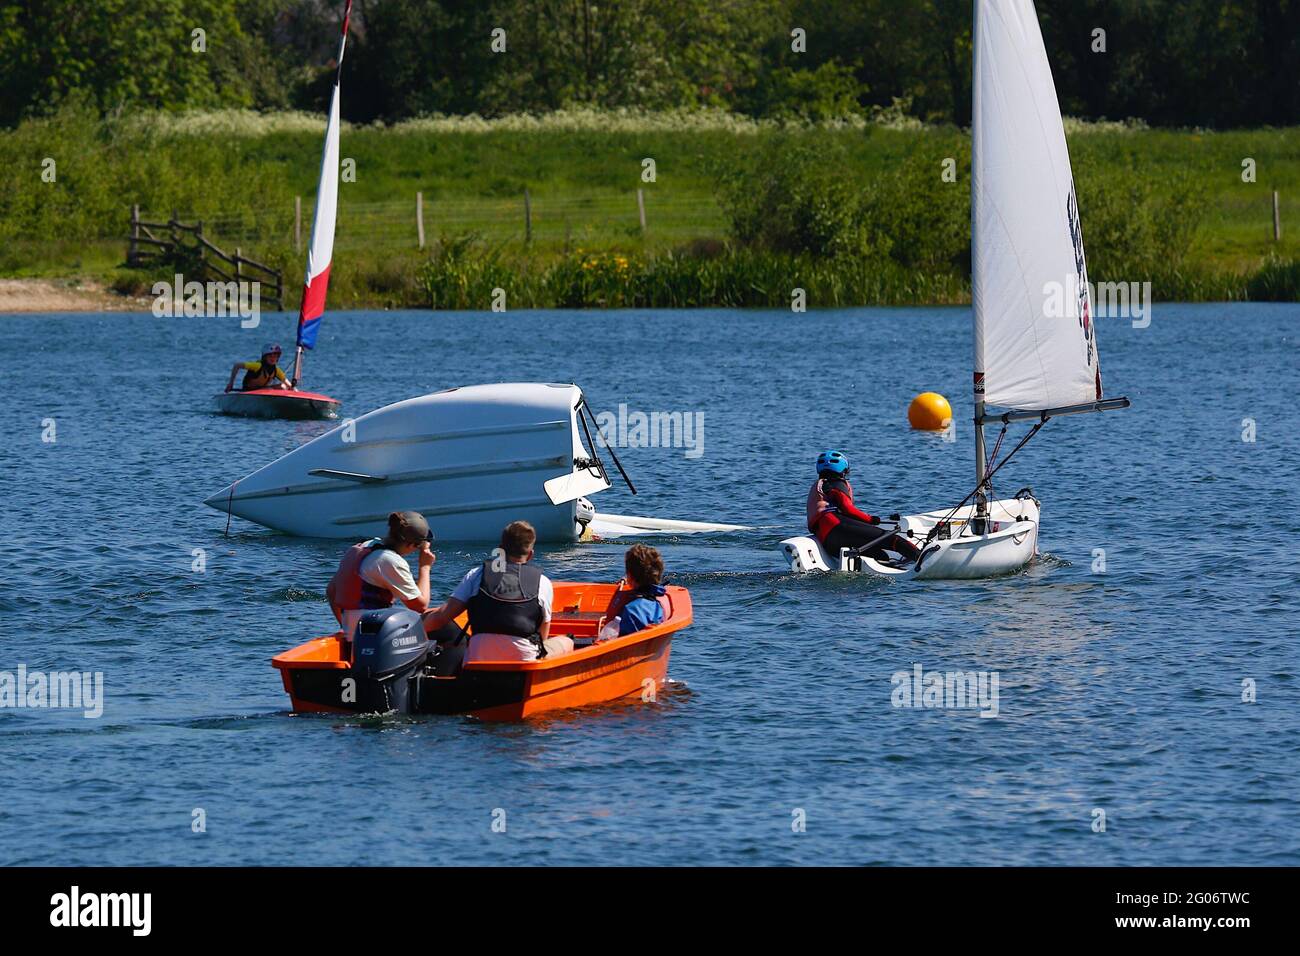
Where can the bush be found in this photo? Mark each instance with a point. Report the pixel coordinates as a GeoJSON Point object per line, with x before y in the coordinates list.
{"type": "Point", "coordinates": [829, 92]}
{"type": "Point", "coordinates": [917, 219]}
{"type": "Point", "coordinates": [462, 273]}
{"type": "Point", "coordinates": [1278, 280]}
{"type": "Point", "coordinates": [603, 280]}
{"type": "Point", "coordinates": [787, 196]}
{"type": "Point", "coordinates": [1131, 233]}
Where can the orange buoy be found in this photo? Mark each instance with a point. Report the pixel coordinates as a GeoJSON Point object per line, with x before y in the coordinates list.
{"type": "Point", "coordinates": [929, 412]}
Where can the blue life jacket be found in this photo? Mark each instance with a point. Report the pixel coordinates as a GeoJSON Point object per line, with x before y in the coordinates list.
{"type": "Point", "coordinates": [644, 610]}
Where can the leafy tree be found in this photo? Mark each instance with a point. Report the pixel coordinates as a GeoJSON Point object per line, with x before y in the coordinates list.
{"type": "Point", "coordinates": [1215, 63]}
{"type": "Point", "coordinates": [122, 52]}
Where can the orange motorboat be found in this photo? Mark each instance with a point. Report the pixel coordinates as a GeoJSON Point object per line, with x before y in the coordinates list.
{"type": "Point", "coordinates": [392, 666]}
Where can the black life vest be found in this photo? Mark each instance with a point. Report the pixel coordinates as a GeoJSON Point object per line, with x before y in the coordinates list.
{"type": "Point", "coordinates": [507, 603]}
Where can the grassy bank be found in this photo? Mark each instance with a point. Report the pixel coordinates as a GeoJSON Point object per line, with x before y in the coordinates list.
{"type": "Point", "coordinates": [740, 212]}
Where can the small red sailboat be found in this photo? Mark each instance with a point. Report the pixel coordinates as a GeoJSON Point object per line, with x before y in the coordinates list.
{"type": "Point", "coordinates": [292, 403]}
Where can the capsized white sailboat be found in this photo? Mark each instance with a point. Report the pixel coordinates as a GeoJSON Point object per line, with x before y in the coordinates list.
{"type": "Point", "coordinates": [1035, 340]}
{"type": "Point", "coordinates": [471, 460]}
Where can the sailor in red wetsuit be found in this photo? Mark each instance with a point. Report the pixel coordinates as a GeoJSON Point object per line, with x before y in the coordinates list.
{"type": "Point", "coordinates": [838, 523]}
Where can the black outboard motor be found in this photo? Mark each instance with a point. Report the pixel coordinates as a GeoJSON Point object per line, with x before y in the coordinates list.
{"type": "Point", "coordinates": [388, 649]}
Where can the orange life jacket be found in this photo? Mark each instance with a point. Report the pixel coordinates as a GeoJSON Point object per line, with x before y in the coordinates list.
{"type": "Point", "coordinates": [353, 592]}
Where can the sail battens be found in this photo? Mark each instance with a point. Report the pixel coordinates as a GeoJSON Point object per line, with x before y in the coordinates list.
{"type": "Point", "coordinates": [1034, 338]}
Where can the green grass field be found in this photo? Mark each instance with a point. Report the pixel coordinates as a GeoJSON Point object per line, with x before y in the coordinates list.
{"type": "Point", "coordinates": [240, 175]}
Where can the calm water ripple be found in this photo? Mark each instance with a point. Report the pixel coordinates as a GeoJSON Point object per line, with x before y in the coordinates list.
{"type": "Point", "coordinates": [1119, 691]}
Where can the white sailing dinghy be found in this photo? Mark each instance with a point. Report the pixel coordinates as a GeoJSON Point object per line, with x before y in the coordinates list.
{"type": "Point", "coordinates": [470, 460]}
{"type": "Point", "coordinates": [1035, 342]}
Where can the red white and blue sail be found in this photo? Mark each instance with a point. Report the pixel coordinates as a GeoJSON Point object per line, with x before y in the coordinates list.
{"type": "Point", "coordinates": [321, 253]}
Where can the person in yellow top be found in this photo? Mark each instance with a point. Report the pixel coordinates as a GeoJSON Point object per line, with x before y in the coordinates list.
{"type": "Point", "coordinates": [264, 374]}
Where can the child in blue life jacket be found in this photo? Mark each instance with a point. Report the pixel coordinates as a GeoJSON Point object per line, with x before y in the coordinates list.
{"type": "Point", "coordinates": [644, 602]}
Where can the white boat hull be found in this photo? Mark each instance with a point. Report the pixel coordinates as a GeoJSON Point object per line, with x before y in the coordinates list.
{"type": "Point", "coordinates": [471, 460]}
{"type": "Point", "coordinates": [1010, 543]}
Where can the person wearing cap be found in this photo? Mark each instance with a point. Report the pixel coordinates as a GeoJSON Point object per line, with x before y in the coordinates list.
{"type": "Point", "coordinates": [509, 603]}
{"type": "Point", "coordinates": [373, 574]}
{"type": "Point", "coordinates": [264, 374]}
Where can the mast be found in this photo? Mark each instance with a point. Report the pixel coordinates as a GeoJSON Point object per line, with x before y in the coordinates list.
{"type": "Point", "coordinates": [981, 497]}
{"type": "Point", "coordinates": [321, 251]}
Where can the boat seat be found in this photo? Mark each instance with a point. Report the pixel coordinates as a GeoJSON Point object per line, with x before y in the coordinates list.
{"type": "Point", "coordinates": [578, 625]}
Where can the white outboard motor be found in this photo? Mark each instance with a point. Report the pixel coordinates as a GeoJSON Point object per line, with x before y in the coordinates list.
{"type": "Point", "coordinates": [583, 512]}
{"type": "Point", "coordinates": [388, 649]}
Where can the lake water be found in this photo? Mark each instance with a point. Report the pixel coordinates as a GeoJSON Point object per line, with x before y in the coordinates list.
{"type": "Point", "coordinates": [1119, 690]}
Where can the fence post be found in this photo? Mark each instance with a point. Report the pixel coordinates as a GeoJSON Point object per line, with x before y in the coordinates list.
{"type": "Point", "coordinates": [1277, 218]}
{"type": "Point", "coordinates": [238, 257]}
{"type": "Point", "coordinates": [133, 250]}
{"type": "Point", "coordinates": [297, 224]}
{"type": "Point", "coordinates": [419, 217]}
{"type": "Point", "coordinates": [198, 233]}
{"type": "Point", "coordinates": [176, 236]}
{"type": "Point", "coordinates": [528, 217]}
{"type": "Point", "coordinates": [640, 208]}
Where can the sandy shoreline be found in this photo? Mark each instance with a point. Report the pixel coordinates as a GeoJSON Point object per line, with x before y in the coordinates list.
{"type": "Point", "coordinates": [64, 295]}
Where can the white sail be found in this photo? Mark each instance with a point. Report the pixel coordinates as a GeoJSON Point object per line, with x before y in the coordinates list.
{"type": "Point", "coordinates": [1035, 345]}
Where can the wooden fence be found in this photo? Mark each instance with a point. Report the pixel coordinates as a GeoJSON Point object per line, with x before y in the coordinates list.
{"type": "Point", "coordinates": [183, 243]}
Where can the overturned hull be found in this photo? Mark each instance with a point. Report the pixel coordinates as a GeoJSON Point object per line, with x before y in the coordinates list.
{"type": "Point", "coordinates": [470, 460]}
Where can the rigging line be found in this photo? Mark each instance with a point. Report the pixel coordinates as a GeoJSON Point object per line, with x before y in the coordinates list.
{"type": "Point", "coordinates": [987, 479]}
{"type": "Point", "coordinates": [993, 456]}
{"type": "Point", "coordinates": [595, 450]}
{"type": "Point", "coordinates": [229, 501]}
{"type": "Point", "coordinates": [612, 454]}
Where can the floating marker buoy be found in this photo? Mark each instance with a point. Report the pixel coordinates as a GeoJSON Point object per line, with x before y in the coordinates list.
{"type": "Point", "coordinates": [929, 412]}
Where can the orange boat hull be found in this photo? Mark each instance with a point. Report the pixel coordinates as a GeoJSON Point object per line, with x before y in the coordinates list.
{"type": "Point", "coordinates": [626, 667]}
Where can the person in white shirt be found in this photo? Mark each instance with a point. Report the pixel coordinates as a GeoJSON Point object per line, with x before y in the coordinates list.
{"type": "Point", "coordinates": [373, 574]}
{"type": "Point", "coordinates": [509, 602]}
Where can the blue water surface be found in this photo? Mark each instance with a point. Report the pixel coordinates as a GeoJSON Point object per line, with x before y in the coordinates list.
{"type": "Point", "coordinates": [1168, 578]}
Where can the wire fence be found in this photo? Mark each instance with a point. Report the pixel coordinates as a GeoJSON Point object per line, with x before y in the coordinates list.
{"type": "Point", "coordinates": [526, 218]}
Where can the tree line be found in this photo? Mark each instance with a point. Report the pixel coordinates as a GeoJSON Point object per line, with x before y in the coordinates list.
{"type": "Point", "coordinates": [1207, 63]}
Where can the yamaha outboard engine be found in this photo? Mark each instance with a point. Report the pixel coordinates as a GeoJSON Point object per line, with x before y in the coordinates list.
{"type": "Point", "coordinates": [583, 512]}
{"type": "Point", "coordinates": [388, 649]}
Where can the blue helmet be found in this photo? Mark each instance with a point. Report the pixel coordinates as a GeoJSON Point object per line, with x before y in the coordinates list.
{"type": "Point", "coordinates": [834, 462]}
